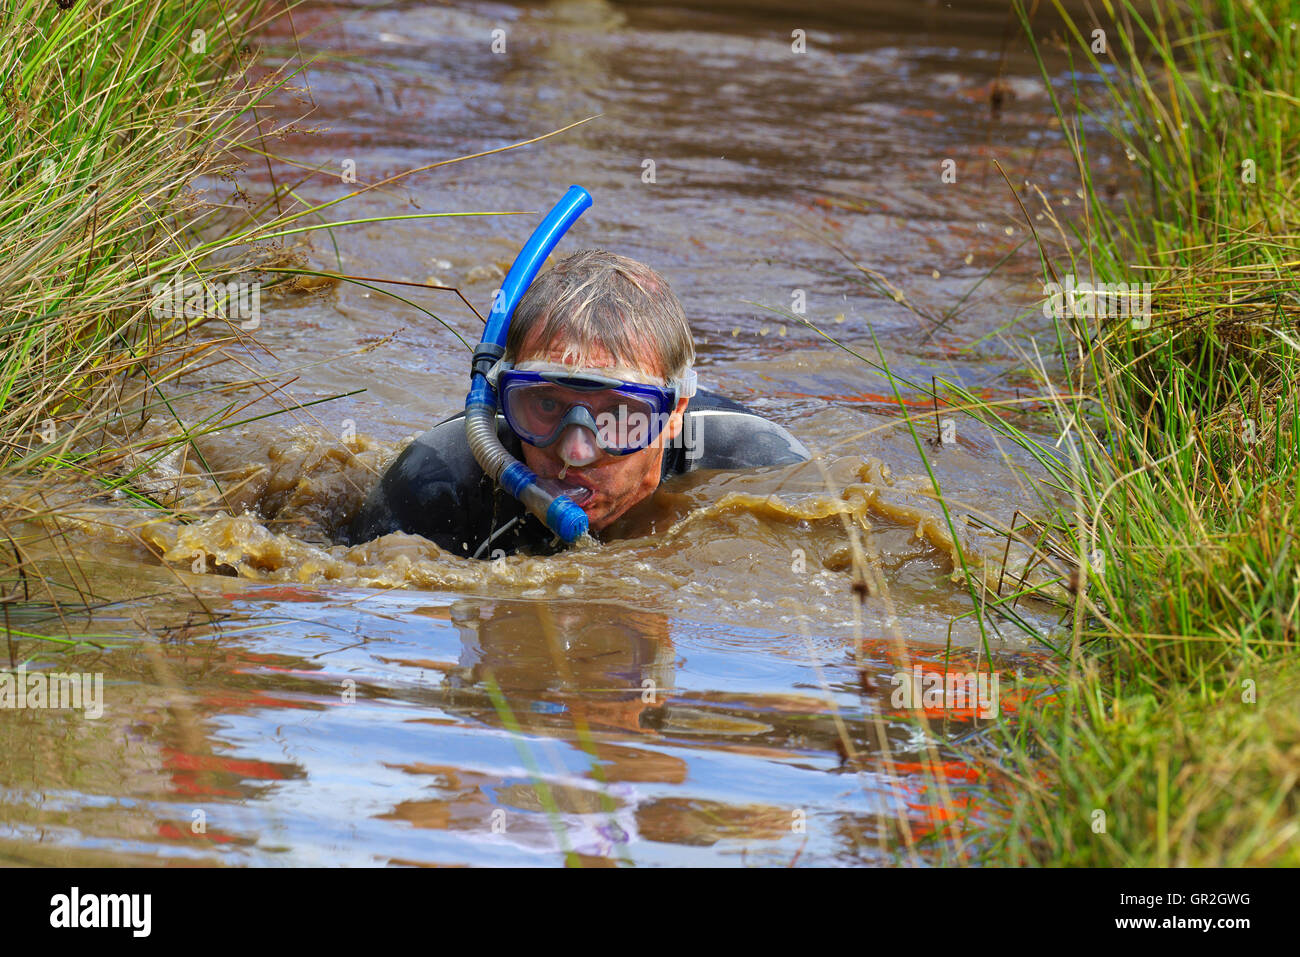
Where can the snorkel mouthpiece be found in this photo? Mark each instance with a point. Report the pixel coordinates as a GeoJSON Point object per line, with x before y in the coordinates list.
{"type": "Point", "coordinates": [561, 514]}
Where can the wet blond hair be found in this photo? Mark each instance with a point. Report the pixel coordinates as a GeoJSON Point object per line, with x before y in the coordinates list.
{"type": "Point", "coordinates": [596, 298]}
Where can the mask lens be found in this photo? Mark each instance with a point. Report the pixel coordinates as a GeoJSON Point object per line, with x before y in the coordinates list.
{"type": "Point", "coordinates": [625, 421]}
{"type": "Point", "coordinates": [538, 409]}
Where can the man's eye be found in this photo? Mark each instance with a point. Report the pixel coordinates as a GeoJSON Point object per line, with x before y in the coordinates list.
{"type": "Point", "coordinates": [548, 405]}
{"type": "Point", "coordinates": [605, 402]}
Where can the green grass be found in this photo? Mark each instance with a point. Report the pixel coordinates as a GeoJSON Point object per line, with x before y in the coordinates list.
{"type": "Point", "coordinates": [115, 118]}
{"type": "Point", "coordinates": [109, 114]}
{"type": "Point", "coordinates": [1167, 486]}
{"type": "Point", "coordinates": [110, 111]}
{"type": "Point", "coordinates": [1176, 716]}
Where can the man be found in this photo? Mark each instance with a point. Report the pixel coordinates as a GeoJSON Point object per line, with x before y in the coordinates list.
{"type": "Point", "coordinates": [596, 395]}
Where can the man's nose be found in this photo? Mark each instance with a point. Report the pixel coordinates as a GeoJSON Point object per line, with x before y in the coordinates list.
{"type": "Point", "coordinates": [578, 446]}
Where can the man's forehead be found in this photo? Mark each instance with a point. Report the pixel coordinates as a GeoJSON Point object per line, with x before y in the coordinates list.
{"type": "Point", "coordinates": [561, 356]}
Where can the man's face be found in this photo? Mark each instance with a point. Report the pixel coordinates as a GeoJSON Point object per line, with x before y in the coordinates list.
{"type": "Point", "coordinates": [617, 482]}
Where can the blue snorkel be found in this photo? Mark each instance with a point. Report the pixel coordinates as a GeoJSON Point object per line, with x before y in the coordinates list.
{"type": "Point", "coordinates": [560, 513]}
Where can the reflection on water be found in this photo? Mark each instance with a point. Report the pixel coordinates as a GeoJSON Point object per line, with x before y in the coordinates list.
{"type": "Point", "coordinates": [371, 728]}
{"type": "Point", "coordinates": [713, 683]}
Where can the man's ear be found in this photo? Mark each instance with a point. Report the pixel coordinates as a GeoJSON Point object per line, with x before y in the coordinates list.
{"type": "Point", "coordinates": [674, 425]}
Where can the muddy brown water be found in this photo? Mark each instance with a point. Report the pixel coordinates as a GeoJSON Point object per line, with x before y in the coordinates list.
{"type": "Point", "coordinates": [687, 691]}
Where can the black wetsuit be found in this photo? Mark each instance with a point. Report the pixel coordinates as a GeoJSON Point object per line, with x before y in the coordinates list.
{"type": "Point", "coordinates": [435, 488]}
